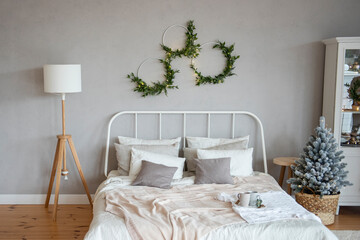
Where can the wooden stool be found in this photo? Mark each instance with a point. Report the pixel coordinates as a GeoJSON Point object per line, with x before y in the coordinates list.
{"type": "Point", "coordinates": [285, 162]}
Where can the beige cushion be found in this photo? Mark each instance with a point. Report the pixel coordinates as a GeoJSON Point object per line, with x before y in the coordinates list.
{"type": "Point", "coordinates": [201, 142]}
{"type": "Point", "coordinates": [138, 141]}
{"type": "Point", "coordinates": [123, 154]}
{"type": "Point", "coordinates": [240, 163]}
{"type": "Point", "coordinates": [191, 153]}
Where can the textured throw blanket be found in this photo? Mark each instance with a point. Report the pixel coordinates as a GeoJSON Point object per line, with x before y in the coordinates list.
{"type": "Point", "coordinates": [182, 212]}
{"type": "Point", "coordinates": [279, 206]}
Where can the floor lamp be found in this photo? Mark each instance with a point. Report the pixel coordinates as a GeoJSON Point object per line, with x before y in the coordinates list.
{"type": "Point", "coordinates": [63, 79]}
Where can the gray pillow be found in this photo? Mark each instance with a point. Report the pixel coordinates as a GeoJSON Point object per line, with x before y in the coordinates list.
{"type": "Point", "coordinates": [191, 153]}
{"type": "Point", "coordinates": [123, 153]}
{"type": "Point", "coordinates": [215, 170]}
{"type": "Point", "coordinates": [154, 175]}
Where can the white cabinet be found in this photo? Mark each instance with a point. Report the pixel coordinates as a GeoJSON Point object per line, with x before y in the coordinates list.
{"type": "Point", "coordinates": [341, 66]}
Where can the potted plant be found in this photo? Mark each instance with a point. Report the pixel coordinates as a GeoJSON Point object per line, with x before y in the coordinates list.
{"type": "Point", "coordinates": [319, 175]}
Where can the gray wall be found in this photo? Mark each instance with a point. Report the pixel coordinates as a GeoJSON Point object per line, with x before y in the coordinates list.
{"type": "Point", "coordinates": [279, 75]}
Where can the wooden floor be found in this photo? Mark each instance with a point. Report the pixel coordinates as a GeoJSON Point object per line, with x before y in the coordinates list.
{"type": "Point", "coordinates": [348, 219]}
{"type": "Point", "coordinates": [35, 222]}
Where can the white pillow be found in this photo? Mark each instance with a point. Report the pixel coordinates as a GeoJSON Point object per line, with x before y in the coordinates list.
{"type": "Point", "coordinates": [138, 155]}
{"type": "Point", "coordinates": [191, 153]}
{"type": "Point", "coordinates": [240, 163]}
{"type": "Point", "coordinates": [123, 154]}
{"type": "Point", "coordinates": [137, 141]}
{"type": "Point", "coordinates": [201, 142]}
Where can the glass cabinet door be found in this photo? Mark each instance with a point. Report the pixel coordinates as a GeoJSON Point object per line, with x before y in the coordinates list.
{"type": "Point", "coordinates": [350, 115]}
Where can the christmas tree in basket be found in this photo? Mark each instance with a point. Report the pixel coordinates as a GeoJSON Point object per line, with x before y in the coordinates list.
{"type": "Point", "coordinates": [319, 175]}
{"type": "Point", "coordinates": [319, 169]}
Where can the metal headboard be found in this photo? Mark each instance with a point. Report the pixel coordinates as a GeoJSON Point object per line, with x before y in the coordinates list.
{"type": "Point", "coordinates": [185, 113]}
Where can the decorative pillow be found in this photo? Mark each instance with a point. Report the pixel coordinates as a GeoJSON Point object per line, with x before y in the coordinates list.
{"type": "Point", "coordinates": [123, 153]}
{"type": "Point", "coordinates": [137, 141]}
{"type": "Point", "coordinates": [241, 160]}
{"type": "Point", "coordinates": [137, 156]}
{"type": "Point", "coordinates": [191, 153]}
{"type": "Point", "coordinates": [154, 175]}
{"type": "Point", "coordinates": [201, 142]}
{"type": "Point", "coordinates": [215, 170]}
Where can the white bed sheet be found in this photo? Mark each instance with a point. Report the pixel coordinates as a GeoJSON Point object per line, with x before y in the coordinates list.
{"type": "Point", "coordinates": [106, 226]}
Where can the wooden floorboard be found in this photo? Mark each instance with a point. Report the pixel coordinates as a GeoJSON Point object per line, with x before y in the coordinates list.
{"type": "Point", "coordinates": [29, 222]}
{"type": "Point", "coordinates": [348, 219]}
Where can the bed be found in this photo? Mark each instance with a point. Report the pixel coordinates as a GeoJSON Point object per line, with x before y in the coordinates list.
{"type": "Point", "coordinates": [197, 211]}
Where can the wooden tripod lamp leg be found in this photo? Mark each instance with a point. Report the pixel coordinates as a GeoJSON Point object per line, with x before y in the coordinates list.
{"type": "Point", "coordinates": [77, 162]}
{"type": "Point", "coordinates": [58, 175]}
{"type": "Point", "coordinates": [53, 171]}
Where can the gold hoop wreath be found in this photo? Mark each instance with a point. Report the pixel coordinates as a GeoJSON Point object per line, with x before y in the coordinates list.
{"type": "Point", "coordinates": [191, 50]}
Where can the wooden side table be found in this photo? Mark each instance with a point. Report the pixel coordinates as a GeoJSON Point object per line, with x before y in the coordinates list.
{"type": "Point", "coordinates": [285, 162]}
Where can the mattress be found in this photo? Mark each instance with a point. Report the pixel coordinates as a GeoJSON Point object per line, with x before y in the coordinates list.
{"type": "Point", "coordinates": [107, 226]}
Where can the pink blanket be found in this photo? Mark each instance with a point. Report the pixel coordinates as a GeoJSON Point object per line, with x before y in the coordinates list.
{"type": "Point", "coordinates": [182, 212]}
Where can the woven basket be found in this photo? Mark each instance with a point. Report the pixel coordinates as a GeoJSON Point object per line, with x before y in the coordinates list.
{"type": "Point", "coordinates": [324, 208]}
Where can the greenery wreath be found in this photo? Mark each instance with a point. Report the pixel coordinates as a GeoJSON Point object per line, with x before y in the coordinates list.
{"type": "Point", "coordinates": [190, 50]}
{"type": "Point", "coordinates": [353, 90]}
{"type": "Point", "coordinates": [157, 87]}
{"type": "Point", "coordinates": [227, 71]}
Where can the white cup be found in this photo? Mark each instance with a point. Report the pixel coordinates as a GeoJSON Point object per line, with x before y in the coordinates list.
{"type": "Point", "coordinates": [244, 199]}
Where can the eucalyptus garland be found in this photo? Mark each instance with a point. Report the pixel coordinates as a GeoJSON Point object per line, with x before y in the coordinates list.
{"type": "Point", "coordinates": [190, 50]}
{"type": "Point", "coordinates": [227, 71]}
{"type": "Point", "coordinates": [157, 87]}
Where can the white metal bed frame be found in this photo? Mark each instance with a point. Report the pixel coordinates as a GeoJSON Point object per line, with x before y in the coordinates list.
{"type": "Point", "coordinates": [184, 113]}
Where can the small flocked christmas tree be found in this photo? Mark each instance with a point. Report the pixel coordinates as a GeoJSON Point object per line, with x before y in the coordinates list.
{"type": "Point", "coordinates": [320, 167]}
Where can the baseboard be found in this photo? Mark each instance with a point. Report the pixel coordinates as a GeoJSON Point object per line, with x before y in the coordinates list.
{"type": "Point", "coordinates": [40, 198]}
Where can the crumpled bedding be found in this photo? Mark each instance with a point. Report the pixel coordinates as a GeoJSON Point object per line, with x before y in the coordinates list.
{"type": "Point", "coordinates": [109, 226]}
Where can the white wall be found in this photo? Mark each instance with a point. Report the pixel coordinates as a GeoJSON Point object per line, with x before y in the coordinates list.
{"type": "Point", "coordinates": [279, 74]}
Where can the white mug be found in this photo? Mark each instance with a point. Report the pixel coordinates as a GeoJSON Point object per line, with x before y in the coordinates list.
{"type": "Point", "coordinates": [244, 199]}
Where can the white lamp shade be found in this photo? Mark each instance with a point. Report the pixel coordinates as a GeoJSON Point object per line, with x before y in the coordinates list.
{"type": "Point", "coordinates": [62, 78]}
